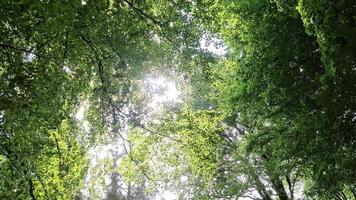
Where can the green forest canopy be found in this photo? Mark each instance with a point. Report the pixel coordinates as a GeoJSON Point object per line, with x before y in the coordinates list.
{"type": "Point", "coordinates": [272, 116]}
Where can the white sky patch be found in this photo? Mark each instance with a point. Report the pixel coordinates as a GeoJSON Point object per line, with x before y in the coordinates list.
{"type": "Point", "coordinates": [66, 69]}
{"type": "Point", "coordinates": [188, 16]}
{"type": "Point", "coordinates": [80, 113]}
{"type": "Point", "coordinates": [166, 195]}
{"type": "Point", "coordinates": [80, 116]}
{"type": "Point", "coordinates": [2, 118]}
{"type": "Point", "coordinates": [266, 123]}
{"type": "Point", "coordinates": [155, 37]}
{"type": "Point", "coordinates": [159, 91]}
{"type": "Point", "coordinates": [299, 190]}
{"type": "Point", "coordinates": [253, 193]}
{"type": "Point", "coordinates": [29, 57]}
{"type": "Point", "coordinates": [184, 179]}
{"type": "Point", "coordinates": [213, 45]}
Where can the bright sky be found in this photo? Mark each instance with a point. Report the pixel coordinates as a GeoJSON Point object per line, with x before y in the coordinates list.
{"type": "Point", "coordinates": [213, 45]}
{"type": "Point", "coordinates": [80, 115]}
{"type": "Point", "coordinates": [160, 90]}
{"type": "Point", "coordinates": [166, 195]}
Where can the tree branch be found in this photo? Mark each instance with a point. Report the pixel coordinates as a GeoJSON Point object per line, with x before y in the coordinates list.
{"type": "Point", "coordinates": [142, 14]}
{"type": "Point", "coordinates": [31, 189]}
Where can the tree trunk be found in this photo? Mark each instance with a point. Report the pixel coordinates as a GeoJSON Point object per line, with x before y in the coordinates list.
{"type": "Point", "coordinates": [290, 186]}
{"type": "Point", "coordinates": [279, 188]}
{"type": "Point", "coordinates": [277, 183]}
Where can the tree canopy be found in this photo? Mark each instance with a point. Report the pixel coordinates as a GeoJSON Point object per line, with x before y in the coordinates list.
{"type": "Point", "coordinates": [184, 99]}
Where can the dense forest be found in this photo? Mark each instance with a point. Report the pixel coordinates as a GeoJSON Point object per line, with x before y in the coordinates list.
{"type": "Point", "coordinates": [178, 99]}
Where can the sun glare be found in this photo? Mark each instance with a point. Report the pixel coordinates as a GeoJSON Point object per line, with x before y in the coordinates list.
{"type": "Point", "coordinates": [160, 91]}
